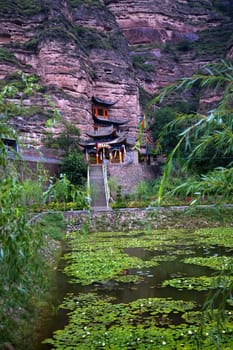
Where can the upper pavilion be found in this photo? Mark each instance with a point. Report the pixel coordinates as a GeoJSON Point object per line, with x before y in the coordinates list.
{"type": "Point", "coordinates": [108, 140]}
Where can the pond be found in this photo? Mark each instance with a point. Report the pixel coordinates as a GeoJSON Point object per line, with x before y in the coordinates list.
{"type": "Point", "coordinates": [141, 290]}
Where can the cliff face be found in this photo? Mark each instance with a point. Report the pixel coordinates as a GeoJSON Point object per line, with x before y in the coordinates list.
{"type": "Point", "coordinates": [171, 39]}
{"type": "Point", "coordinates": [110, 49]}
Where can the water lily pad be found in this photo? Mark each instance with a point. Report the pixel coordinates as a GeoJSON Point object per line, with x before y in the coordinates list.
{"type": "Point", "coordinates": [107, 261]}
{"type": "Point", "coordinates": [96, 323]}
{"type": "Point", "coordinates": [200, 283]}
{"type": "Point", "coordinates": [214, 262]}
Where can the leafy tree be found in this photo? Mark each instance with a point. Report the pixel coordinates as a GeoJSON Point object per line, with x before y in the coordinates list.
{"type": "Point", "coordinates": [73, 163]}
{"type": "Point", "coordinates": [75, 168]}
{"type": "Point", "coordinates": [67, 140]}
{"type": "Point", "coordinates": [22, 264]}
{"type": "Point", "coordinates": [164, 115]}
{"type": "Point", "coordinates": [19, 86]}
{"type": "Point", "coordinates": [20, 243]}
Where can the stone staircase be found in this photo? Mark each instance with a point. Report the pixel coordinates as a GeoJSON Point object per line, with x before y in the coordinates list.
{"type": "Point", "coordinates": [98, 195]}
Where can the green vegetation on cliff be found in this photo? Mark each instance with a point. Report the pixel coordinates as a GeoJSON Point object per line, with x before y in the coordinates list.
{"type": "Point", "coordinates": [7, 56]}
{"type": "Point", "coordinates": [21, 7]}
{"type": "Point", "coordinates": [86, 3]}
{"type": "Point", "coordinates": [85, 38]}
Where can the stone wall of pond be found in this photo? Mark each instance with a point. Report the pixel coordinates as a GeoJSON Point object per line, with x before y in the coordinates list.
{"type": "Point", "coordinates": [130, 219]}
{"type": "Point", "coordinates": [128, 176]}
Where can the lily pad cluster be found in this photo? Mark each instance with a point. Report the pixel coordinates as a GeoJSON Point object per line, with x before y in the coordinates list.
{"type": "Point", "coordinates": [214, 262]}
{"type": "Point", "coordinates": [201, 283]}
{"type": "Point", "coordinates": [97, 320]}
{"type": "Point", "coordinates": [97, 323]}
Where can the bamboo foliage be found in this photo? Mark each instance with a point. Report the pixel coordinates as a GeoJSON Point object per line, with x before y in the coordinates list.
{"type": "Point", "coordinates": [214, 129]}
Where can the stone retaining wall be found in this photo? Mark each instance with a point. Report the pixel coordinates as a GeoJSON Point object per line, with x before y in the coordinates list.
{"type": "Point", "coordinates": [128, 176]}
{"type": "Point", "coordinates": [127, 219]}
{"type": "Point", "coordinates": [28, 169]}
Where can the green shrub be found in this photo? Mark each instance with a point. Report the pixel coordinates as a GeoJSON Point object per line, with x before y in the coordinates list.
{"type": "Point", "coordinates": [22, 7]}
{"type": "Point", "coordinates": [67, 140]}
{"type": "Point", "coordinates": [184, 46]}
{"type": "Point", "coordinates": [6, 55]}
{"type": "Point", "coordinates": [53, 224]}
{"type": "Point", "coordinates": [88, 3]}
{"type": "Point", "coordinates": [140, 62]}
{"type": "Point", "coordinates": [91, 38]}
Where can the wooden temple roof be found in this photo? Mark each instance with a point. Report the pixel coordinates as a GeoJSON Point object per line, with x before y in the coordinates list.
{"type": "Point", "coordinates": [105, 103]}
{"type": "Point", "coordinates": [107, 131]}
{"type": "Point", "coordinates": [122, 138]}
{"type": "Point", "coordinates": [101, 131]}
{"type": "Point", "coordinates": [104, 121]}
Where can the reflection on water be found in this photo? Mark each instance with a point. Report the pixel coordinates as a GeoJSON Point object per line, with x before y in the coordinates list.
{"type": "Point", "coordinates": [150, 287]}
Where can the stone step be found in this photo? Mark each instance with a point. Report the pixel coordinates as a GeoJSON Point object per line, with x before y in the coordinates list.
{"type": "Point", "coordinates": [96, 170]}
{"type": "Point", "coordinates": [96, 177]}
{"type": "Point", "coordinates": [100, 208]}
{"type": "Point", "coordinates": [98, 197]}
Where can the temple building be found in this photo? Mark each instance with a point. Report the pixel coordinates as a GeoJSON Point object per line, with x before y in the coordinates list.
{"type": "Point", "coordinates": [108, 141]}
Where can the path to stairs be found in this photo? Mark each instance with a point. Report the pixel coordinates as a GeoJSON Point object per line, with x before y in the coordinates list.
{"type": "Point", "coordinates": [98, 196]}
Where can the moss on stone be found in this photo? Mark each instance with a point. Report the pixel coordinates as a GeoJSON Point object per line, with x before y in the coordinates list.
{"type": "Point", "coordinates": [62, 31]}
{"type": "Point", "coordinates": [32, 110]}
{"type": "Point", "coordinates": [87, 3]}
{"type": "Point", "coordinates": [141, 62]}
{"type": "Point", "coordinates": [31, 44]}
{"type": "Point", "coordinates": [224, 7]}
{"type": "Point", "coordinates": [144, 97]}
{"type": "Point", "coordinates": [93, 39]}
{"type": "Point", "coordinates": [7, 56]}
{"type": "Point", "coordinates": [85, 38]}
{"type": "Point", "coordinates": [213, 41]}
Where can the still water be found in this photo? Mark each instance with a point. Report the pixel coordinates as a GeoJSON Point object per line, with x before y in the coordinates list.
{"type": "Point", "coordinates": [149, 287]}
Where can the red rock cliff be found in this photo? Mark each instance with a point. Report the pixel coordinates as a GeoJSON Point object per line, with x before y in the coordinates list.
{"type": "Point", "coordinates": [110, 49]}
